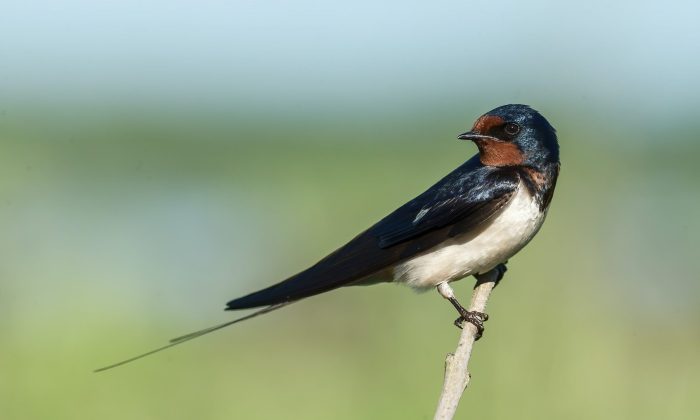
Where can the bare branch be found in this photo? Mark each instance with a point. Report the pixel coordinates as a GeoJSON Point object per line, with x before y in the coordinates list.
{"type": "Point", "coordinates": [456, 364]}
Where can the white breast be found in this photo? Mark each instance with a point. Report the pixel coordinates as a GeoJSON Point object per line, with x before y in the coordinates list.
{"type": "Point", "coordinates": [465, 255]}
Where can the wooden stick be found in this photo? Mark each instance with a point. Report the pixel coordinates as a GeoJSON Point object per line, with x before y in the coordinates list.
{"type": "Point", "coordinates": [457, 364]}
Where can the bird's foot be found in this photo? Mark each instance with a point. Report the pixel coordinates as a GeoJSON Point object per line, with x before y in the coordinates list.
{"type": "Point", "coordinates": [475, 318]}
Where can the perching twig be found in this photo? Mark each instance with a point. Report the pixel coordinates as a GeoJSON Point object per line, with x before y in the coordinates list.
{"type": "Point", "coordinates": [456, 364]}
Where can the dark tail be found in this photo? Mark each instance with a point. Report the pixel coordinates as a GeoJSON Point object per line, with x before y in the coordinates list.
{"type": "Point", "coordinates": [191, 336]}
{"type": "Point", "coordinates": [303, 285]}
{"type": "Point", "coordinates": [273, 295]}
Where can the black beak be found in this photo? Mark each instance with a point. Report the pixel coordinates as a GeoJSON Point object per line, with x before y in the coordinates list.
{"type": "Point", "coordinates": [471, 135]}
{"type": "Point", "coordinates": [466, 136]}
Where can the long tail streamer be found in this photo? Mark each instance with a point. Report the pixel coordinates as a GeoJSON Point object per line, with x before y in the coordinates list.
{"type": "Point", "coordinates": [191, 336]}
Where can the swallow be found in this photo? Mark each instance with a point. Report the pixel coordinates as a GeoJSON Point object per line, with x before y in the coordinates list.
{"type": "Point", "coordinates": [467, 224]}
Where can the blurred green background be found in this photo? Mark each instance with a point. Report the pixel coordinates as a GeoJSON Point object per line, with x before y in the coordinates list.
{"type": "Point", "coordinates": [160, 158]}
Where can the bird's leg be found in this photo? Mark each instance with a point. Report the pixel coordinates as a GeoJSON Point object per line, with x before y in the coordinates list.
{"type": "Point", "coordinates": [475, 318]}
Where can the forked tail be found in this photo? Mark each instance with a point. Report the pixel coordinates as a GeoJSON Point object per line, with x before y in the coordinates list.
{"type": "Point", "coordinates": [191, 336]}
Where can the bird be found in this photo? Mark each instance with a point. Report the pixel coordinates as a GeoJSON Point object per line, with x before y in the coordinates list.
{"type": "Point", "coordinates": [469, 223]}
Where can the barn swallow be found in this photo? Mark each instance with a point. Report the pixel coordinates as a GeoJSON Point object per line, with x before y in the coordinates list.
{"type": "Point", "coordinates": [469, 223]}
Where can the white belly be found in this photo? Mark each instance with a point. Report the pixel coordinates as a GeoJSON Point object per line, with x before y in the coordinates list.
{"type": "Point", "coordinates": [465, 255]}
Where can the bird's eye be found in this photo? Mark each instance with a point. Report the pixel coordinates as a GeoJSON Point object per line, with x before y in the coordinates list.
{"type": "Point", "coordinates": [511, 129]}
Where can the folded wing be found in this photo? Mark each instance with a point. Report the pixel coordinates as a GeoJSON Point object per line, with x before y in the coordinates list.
{"type": "Point", "coordinates": [462, 202]}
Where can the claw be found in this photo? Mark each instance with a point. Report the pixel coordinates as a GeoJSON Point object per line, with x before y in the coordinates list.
{"type": "Point", "coordinates": [475, 318]}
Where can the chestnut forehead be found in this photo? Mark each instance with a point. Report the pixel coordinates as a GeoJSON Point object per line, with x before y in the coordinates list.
{"type": "Point", "coordinates": [486, 123]}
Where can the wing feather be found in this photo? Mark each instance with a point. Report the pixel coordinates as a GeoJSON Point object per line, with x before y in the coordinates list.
{"type": "Point", "coordinates": [460, 203]}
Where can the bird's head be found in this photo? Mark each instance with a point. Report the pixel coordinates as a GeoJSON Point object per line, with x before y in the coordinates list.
{"type": "Point", "coordinates": [513, 135]}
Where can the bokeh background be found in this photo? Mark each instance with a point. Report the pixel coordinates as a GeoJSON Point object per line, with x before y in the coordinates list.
{"type": "Point", "coordinates": [158, 158]}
